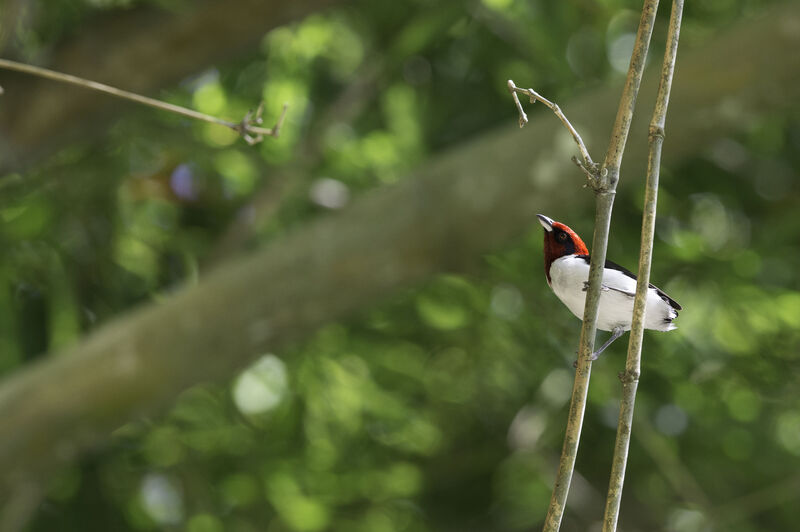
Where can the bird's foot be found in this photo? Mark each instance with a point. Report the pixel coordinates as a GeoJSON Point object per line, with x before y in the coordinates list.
{"type": "Point", "coordinates": [592, 357]}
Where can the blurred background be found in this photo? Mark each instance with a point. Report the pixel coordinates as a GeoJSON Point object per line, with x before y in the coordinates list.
{"type": "Point", "coordinates": [443, 407]}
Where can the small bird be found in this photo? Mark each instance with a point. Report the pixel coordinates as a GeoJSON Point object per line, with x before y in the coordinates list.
{"type": "Point", "coordinates": [566, 265]}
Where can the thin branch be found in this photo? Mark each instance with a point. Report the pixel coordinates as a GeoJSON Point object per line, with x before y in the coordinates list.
{"type": "Point", "coordinates": [248, 128]}
{"type": "Point", "coordinates": [604, 185]}
{"type": "Point", "coordinates": [588, 165]}
{"type": "Point", "coordinates": [630, 378]}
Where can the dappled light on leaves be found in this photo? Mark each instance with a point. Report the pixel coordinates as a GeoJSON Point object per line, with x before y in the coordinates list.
{"type": "Point", "coordinates": [446, 303]}
{"type": "Point", "coordinates": [329, 193]}
{"type": "Point", "coordinates": [205, 523]}
{"type": "Point", "coordinates": [787, 429]}
{"type": "Point", "coordinates": [439, 405]}
{"type": "Point", "coordinates": [262, 386]}
{"type": "Point", "coordinates": [161, 499]}
{"type": "Point", "coordinates": [686, 520]}
{"type": "Point", "coordinates": [298, 511]}
{"type": "Point", "coordinates": [620, 36]}
{"type": "Point", "coordinates": [527, 427]}
{"type": "Point", "coordinates": [506, 301]}
{"type": "Point", "coordinates": [671, 420]}
{"type": "Point", "coordinates": [182, 182]}
{"type": "Point", "coordinates": [237, 171]}
{"type": "Point", "coordinates": [555, 387]}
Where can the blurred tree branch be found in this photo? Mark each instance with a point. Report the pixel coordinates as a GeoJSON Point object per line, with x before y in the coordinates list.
{"type": "Point", "coordinates": [115, 50]}
{"type": "Point", "coordinates": [248, 127]}
{"type": "Point", "coordinates": [452, 210]}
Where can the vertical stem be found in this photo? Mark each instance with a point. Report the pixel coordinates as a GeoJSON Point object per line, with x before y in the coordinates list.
{"type": "Point", "coordinates": [605, 186]}
{"type": "Point", "coordinates": [630, 379]}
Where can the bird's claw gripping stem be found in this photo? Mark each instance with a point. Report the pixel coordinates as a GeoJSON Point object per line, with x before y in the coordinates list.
{"type": "Point", "coordinates": [616, 333]}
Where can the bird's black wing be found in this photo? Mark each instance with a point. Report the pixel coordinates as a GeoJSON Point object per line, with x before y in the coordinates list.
{"type": "Point", "coordinates": [614, 266]}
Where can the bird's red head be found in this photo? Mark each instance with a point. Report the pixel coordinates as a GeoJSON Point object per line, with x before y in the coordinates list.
{"type": "Point", "coordinates": [559, 240]}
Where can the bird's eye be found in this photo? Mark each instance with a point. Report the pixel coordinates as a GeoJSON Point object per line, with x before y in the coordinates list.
{"type": "Point", "coordinates": [562, 237]}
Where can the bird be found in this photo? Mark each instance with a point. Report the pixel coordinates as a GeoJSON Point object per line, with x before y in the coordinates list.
{"type": "Point", "coordinates": [566, 266]}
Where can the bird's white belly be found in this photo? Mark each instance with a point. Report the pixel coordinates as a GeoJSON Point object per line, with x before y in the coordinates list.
{"type": "Point", "coordinates": [567, 277]}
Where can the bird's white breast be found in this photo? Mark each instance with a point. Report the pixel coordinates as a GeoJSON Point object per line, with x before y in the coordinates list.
{"type": "Point", "coordinates": [568, 276]}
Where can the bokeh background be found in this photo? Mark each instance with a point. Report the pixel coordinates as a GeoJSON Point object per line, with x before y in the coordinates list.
{"type": "Point", "coordinates": [443, 407]}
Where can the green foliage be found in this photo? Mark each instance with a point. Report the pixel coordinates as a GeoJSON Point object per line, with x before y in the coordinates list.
{"type": "Point", "coordinates": [443, 408]}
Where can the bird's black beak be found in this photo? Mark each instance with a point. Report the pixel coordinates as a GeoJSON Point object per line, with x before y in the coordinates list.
{"type": "Point", "coordinates": [546, 222]}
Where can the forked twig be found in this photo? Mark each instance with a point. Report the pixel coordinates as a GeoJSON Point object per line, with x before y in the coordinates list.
{"type": "Point", "coordinates": [588, 166]}
{"type": "Point", "coordinates": [249, 128]}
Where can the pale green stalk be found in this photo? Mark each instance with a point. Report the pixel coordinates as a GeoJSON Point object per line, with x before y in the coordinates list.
{"type": "Point", "coordinates": [630, 378]}
{"type": "Point", "coordinates": [604, 183]}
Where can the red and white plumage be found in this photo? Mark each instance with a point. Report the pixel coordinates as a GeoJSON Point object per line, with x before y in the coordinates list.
{"type": "Point", "coordinates": [566, 265]}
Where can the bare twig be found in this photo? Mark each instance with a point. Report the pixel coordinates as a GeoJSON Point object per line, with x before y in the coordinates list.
{"type": "Point", "coordinates": [588, 166]}
{"type": "Point", "coordinates": [630, 378]}
{"type": "Point", "coordinates": [249, 127]}
{"type": "Point", "coordinates": [604, 183]}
